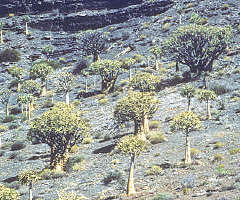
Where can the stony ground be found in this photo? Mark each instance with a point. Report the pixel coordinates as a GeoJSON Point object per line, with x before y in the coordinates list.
{"type": "Point", "coordinates": [205, 179]}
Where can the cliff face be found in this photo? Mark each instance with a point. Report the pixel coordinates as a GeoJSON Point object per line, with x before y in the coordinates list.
{"type": "Point", "coordinates": [75, 15]}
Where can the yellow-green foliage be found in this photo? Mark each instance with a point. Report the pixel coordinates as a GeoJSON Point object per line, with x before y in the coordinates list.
{"type": "Point", "coordinates": [79, 166]}
{"type": "Point", "coordinates": [74, 149]}
{"type": "Point", "coordinates": [166, 26]}
{"type": "Point", "coordinates": [16, 72]}
{"type": "Point", "coordinates": [135, 106]}
{"type": "Point", "coordinates": [186, 191]}
{"type": "Point", "coordinates": [196, 19]}
{"type": "Point", "coordinates": [234, 151]}
{"type": "Point", "coordinates": [30, 87]}
{"type": "Point", "coordinates": [218, 145]}
{"type": "Point", "coordinates": [186, 121]}
{"type": "Point", "coordinates": [3, 128]}
{"type": "Point", "coordinates": [8, 193]}
{"type": "Point", "coordinates": [87, 140]}
{"type": "Point", "coordinates": [145, 82]}
{"type": "Point", "coordinates": [154, 124]}
{"type": "Point", "coordinates": [69, 196]}
{"type": "Point", "coordinates": [64, 82]}
{"type": "Point", "coordinates": [194, 152]}
{"type": "Point", "coordinates": [132, 145]}
{"type": "Point", "coordinates": [156, 137]}
{"type": "Point", "coordinates": [156, 51]}
{"type": "Point", "coordinates": [206, 95]}
{"type": "Point", "coordinates": [218, 157]}
{"type": "Point", "coordinates": [27, 177]}
{"type": "Point", "coordinates": [103, 101]}
{"type": "Point", "coordinates": [154, 170]}
{"type": "Point", "coordinates": [41, 70]}
{"type": "Point", "coordinates": [60, 128]}
{"type": "Point", "coordinates": [188, 91]}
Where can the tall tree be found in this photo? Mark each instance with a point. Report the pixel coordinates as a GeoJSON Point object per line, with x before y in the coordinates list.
{"type": "Point", "coordinates": [187, 122]}
{"type": "Point", "coordinates": [60, 128]}
{"type": "Point", "coordinates": [133, 146]}
{"type": "Point", "coordinates": [17, 73]}
{"type": "Point", "coordinates": [198, 46]}
{"type": "Point", "coordinates": [26, 19]}
{"type": "Point", "coordinates": [157, 53]}
{"type": "Point", "coordinates": [189, 92]}
{"type": "Point", "coordinates": [5, 95]}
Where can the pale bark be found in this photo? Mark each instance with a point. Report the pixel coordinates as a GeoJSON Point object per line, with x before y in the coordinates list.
{"type": "Point", "coordinates": [130, 187]}
{"type": "Point", "coordinates": [145, 125]}
{"type": "Point", "coordinates": [156, 64]}
{"type": "Point", "coordinates": [29, 111]}
{"type": "Point", "coordinates": [209, 116]}
{"type": "Point", "coordinates": [44, 89]}
{"type": "Point", "coordinates": [86, 85]}
{"type": "Point", "coordinates": [0, 142]}
{"type": "Point", "coordinates": [18, 87]}
{"type": "Point", "coordinates": [1, 37]}
{"type": "Point", "coordinates": [26, 28]}
{"type": "Point", "coordinates": [188, 159]}
{"type": "Point", "coordinates": [30, 191]}
{"type": "Point", "coordinates": [67, 98]}
{"type": "Point", "coordinates": [7, 110]}
{"type": "Point", "coordinates": [130, 74]}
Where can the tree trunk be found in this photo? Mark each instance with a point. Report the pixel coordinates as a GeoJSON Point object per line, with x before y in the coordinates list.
{"type": "Point", "coordinates": [0, 142]}
{"type": "Point", "coordinates": [7, 110]}
{"type": "Point", "coordinates": [130, 73]}
{"type": "Point", "coordinates": [156, 66]}
{"type": "Point", "coordinates": [209, 116]}
{"type": "Point", "coordinates": [57, 161]}
{"type": "Point", "coordinates": [187, 151]}
{"type": "Point", "coordinates": [86, 85]}
{"type": "Point", "coordinates": [205, 81]}
{"type": "Point", "coordinates": [177, 66]}
{"type": "Point", "coordinates": [108, 86]}
{"type": "Point", "coordinates": [145, 125]}
{"type": "Point", "coordinates": [29, 111]}
{"type": "Point", "coordinates": [18, 86]}
{"type": "Point", "coordinates": [189, 103]}
{"type": "Point", "coordinates": [1, 37]}
{"type": "Point", "coordinates": [130, 186]}
{"type": "Point", "coordinates": [30, 191]}
{"type": "Point", "coordinates": [44, 89]}
{"type": "Point", "coordinates": [67, 98]}
{"type": "Point", "coordinates": [96, 57]}
{"type": "Point", "coordinates": [180, 19]}
{"type": "Point", "coordinates": [26, 28]}
{"type": "Point", "coordinates": [26, 110]}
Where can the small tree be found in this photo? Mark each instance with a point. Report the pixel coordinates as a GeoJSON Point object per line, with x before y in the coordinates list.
{"type": "Point", "coordinates": [137, 108]}
{"type": "Point", "coordinates": [127, 64]}
{"type": "Point", "coordinates": [109, 70]}
{"type": "Point", "coordinates": [207, 95]}
{"type": "Point", "coordinates": [189, 92]}
{"type": "Point", "coordinates": [94, 43]}
{"type": "Point", "coordinates": [42, 71]}
{"type": "Point", "coordinates": [145, 82]}
{"type": "Point", "coordinates": [30, 88]}
{"type": "Point", "coordinates": [26, 19]}
{"type": "Point", "coordinates": [17, 73]}
{"type": "Point", "coordinates": [157, 53]}
{"type": "Point", "coordinates": [1, 31]}
{"type": "Point", "coordinates": [60, 128]}
{"type": "Point", "coordinates": [187, 122]}
{"type": "Point", "coordinates": [28, 178]}
{"type": "Point", "coordinates": [48, 51]}
{"type": "Point", "coordinates": [65, 83]}
{"type": "Point", "coordinates": [5, 95]}
{"type": "Point", "coordinates": [133, 146]}
{"type": "Point", "coordinates": [24, 101]}
{"type": "Point", "coordinates": [8, 193]}
{"type": "Point", "coordinates": [198, 46]}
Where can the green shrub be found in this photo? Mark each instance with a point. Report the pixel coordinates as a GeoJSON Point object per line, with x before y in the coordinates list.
{"type": "Point", "coordinates": [18, 145]}
{"type": "Point", "coordinates": [156, 137]}
{"type": "Point", "coordinates": [154, 170]}
{"type": "Point", "coordinates": [87, 140]}
{"type": "Point", "coordinates": [47, 104]}
{"type": "Point", "coordinates": [154, 124]}
{"type": "Point", "coordinates": [48, 174]}
{"type": "Point", "coordinates": [103, 101]}
{"type": "Point", "coordinates": [15, 111]}
{"type": "Point", "coordinates": [220, 89]}
{"type": "Point", "coordinates": [76, 163]}
{"type": "Point", "coordinates": [194, 152]}
{"type": "Point", "coordinates": [8, 193]}
{"type": "Point", "coordinates": [115, 175]}
{"type": "Point", "coordinates": [53, 64]}
{"type": "Point", "coordinates": [164, 196]}
{"type": "Point", "coordinates": [3, 128]}
{"type": "Point", "coordinates": [218, 145]}
{"type": "Point", "coordinates": [9, 55]}
{"type": "Point", "coordinates": [234, 151]}
{"type": "Point", "coordinates": [9, 118]}
{"type": "Point", "coordinates": [218, 157]}
{"type": "Point", "coordinates": [74, 149]}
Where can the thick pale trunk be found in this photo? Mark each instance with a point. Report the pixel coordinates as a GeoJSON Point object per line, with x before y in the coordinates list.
{"type": "Point", "coordinates": [44, 89]}
{"type": "Point", "coordinates": [1, 37]}
{"type": "Point", "coordinates": [180, 19]}
{"type": "Point", "coordinates": [189, 103]}
{"type": "Point", "coordinates": [86, 85]}
{"type": "Point", "coordinates": [209, 116]}
{"type": "Point", "coordinates": [67, 98]}
{"type": "Point", "coordinates": [188, 159]}
{"type": "Point", "coordinates": [145, 125]}
{"type": "Point", "coordinates": [26, 110]}
{"type": "Point", "coordinates": [130, 187]}
{"type": "Point", "coordinates": [26, 28]}
{"type": "Point", "coordinates": [130, 73]}
{"type": "Point", "coordinates": [7, 110]}
{"type": "Point", "coordinates": [156, 66]}
{"type": "Point", "coordinates": [18, 87]}
{"type": "Point", "coordinates": [30, 191]}
{"type": "Point", "coordinates": [0, 142]}
{"type": "Point", "coordinates": [29, 111]}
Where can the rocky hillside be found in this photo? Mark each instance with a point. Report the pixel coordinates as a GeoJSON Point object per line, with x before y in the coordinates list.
{"type": "Point", "coordinates": [133, 27]}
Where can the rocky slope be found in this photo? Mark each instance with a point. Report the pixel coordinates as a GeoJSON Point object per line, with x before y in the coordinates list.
{"type": "Point", "coordinates": [205, 178]}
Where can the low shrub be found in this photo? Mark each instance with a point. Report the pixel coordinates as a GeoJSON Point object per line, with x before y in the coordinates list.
{"type": "Point", "coordinates": [164, 196]}
{"type": "Point", "coordinates": [13, 126]}
{"type": "Point", "coordinates": [234, 151]}
{"type": "Point", "coordinates": [10, 55]}
{"type": "Point", "coordinates": [103, 101]}
{"type": "Point", "coordinates": [87, 140]}
{"type": "Point", "coordinates": [74, 149]}
{"type": "Point", "coordinates": [154, 124]}
{"type": "Point", "coordinates": [154, 170]}
{"type": "Point", "coordinates": [9, 118]}
{"type": "Point", "coordinates": [48, 174]}
{"type": "Point", "coordinates": [194, 152]}
{"type": "Point", "coordinates": [156, 137]}
{"type": "Point", "coordinates": [218, 145]}
{"type": "Point", "coordinates": [47, 104]}
{"type": "Point", "coordinates": [220, 89]}
{"type": "Point", "coordinates": [218, 157]}
{"type": "Point", "coordinates": [18, 145]}
{"type": "Point", "coordinates": [3, 128]}
{"type": "Point", "coordinates": [115, 175]}
{"type": "Point", "coordinates": [69, 196]}
{"type": "Point", "coordinates": [76, 163]}
{"type": "Point", "coordinates": [8, 193]}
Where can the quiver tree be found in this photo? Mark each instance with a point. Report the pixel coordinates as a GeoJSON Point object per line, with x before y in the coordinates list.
{"type": "Point", "coordinates": [127, 64]}
{"type": "Point", "coordinates": [60, 128]}
{"type": "Point", "coordinates": [26, 20]}
{"type": "Point", "coordinates": [17, 73]}
{"type": "Point", "coordinates": [207, 95]}
{"type": "Point", "coordinates": [197, 46]}
{"type": "Point", "coordinates": [28, 178]}
{"type": "Point", "coordinates": [5, 95]}
{"type": "Point", "coordinates": [65, 83]}
{"type": "Point", "coordinates": [145, 82]}
{"type": "Point", "coordinates": [109, 70]}
{"type": "Point", "coordinates": [30, 88]}
{"type": "Point", "coordinates": [8, 193]}
{"type": "Point", "coordinates": [133, 146]}
{"type": "Point", "coordinates": [1, 31]}
{"type": "Point", "coordinates": [157, 53]}
{"type": "Point", "coordinates": [137, 108]}
{"type": "Point", "coordinates": [94, 43]}
{"type": "Point", "coordinates": [48, 51]}
{"type": "Point", "coordinates": [187, 122]}
{"type": "Point", "coordinates": [189, 92]}
{"type": "Point", "coordinates": [42, 71]}
{"type": "Point", "coordinates": [24, 101]}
